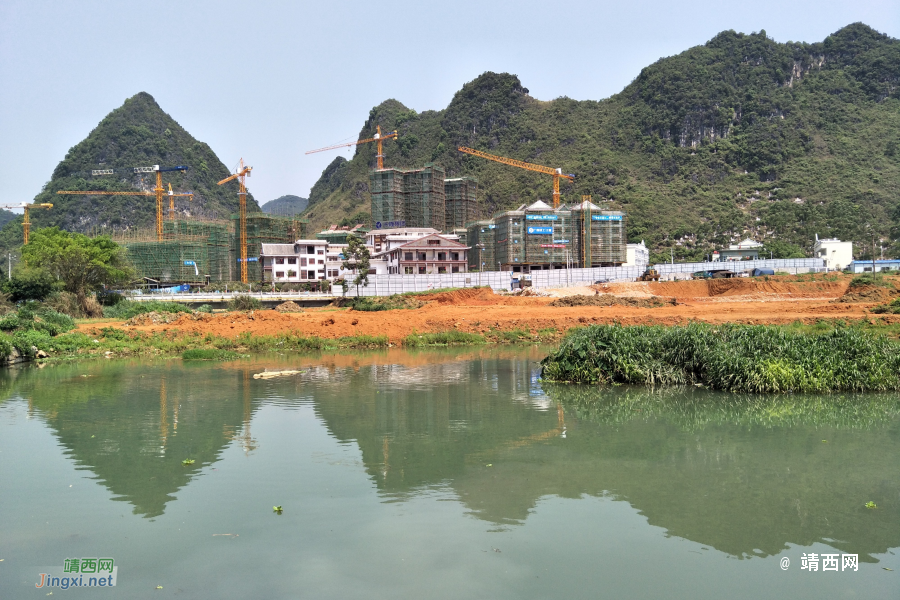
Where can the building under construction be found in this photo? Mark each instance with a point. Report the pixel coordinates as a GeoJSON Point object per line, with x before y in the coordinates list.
{"type": "Point", "coordinates": [200, 252]}
{"type": "Point", "coordinates": [537, 237]}
{"type": "Point", "coordinates": [412, 197]}
{"type": "Point", "coordinates": [478, 233]}
{"type": "Point", "coordinates": [190, 252]}
{"type": "Point", "coordinates": [459, 206]}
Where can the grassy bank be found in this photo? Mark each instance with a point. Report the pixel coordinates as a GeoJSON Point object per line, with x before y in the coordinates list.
{"type": "Point", "coordinates": [735, 358]}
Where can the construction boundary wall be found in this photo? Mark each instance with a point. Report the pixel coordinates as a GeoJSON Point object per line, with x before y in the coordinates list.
{"type": "Point", "coordinates": [460, 202]}
{"type": "Point", "coordinates": [263, 228]}
{"type": "Point", "coordinates": [385, 285]}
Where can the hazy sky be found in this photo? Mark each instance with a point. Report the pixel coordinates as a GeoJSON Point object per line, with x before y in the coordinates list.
{"type": "Point", "coordinates": [268, 80]}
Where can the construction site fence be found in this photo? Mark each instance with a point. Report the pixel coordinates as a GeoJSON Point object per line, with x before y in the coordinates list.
{"type": "Point", "coordinates": [789, 265]}
{"type": "Point", "coordinates": [386, 285]}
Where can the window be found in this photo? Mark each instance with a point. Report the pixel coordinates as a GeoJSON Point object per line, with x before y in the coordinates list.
{"type": "Point", "coordinates": [456, 269]}
{"type": "Point", "coordinates": [321, 252]}
{"type": "Point", "coordinates": [434, 242]}
{"type": "Point", "coordinates": [408, 270]}
{"type": "Point", "coordinates": [302, 262]}
{"type": "Point", "coordinates": [421, 270]}
{"type": "Point", "coordinates": [454, 256]}
{"type": "Point", "coordinates": [420, 256]}
{"type": "Point", "coordinates": [442, 256]}
{"type": "Point", "coordinates": [279, 261]}
{"type": "Point", "coordinates": [442, 269]}
{"type": "Point", "coordinates": [321, 262]}
{"type": "Point", "coordinates": [310, 249]}
{"type": "Point", "coordinates": [292, 261]}
{"type": "Point", "coordinates": [407, 256]}
{"type": "Point", "coordinates": [279, 273]}
{"type": "Point", "coordinates": [292, 273]}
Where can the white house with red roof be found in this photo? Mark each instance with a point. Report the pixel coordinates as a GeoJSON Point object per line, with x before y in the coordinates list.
{"type": "Point", "coordinates": [429, 254]}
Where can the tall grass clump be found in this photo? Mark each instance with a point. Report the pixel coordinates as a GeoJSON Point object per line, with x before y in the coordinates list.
{"type": "Point", "coordinates": [443, 338]}
{"type": "Point", "coordinates": [244, 302]}
{"type": "Point", "coordinates": [126, 309]}
{"type": "Point", "coordinates": [734, 358]}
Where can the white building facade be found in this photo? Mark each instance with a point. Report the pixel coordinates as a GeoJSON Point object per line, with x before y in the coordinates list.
{"type": "Point", "coordinates": [837, 254]}
{"type": "Point", "coordinates": [300, 262]}
{"type": "Point", "coordinates": [637, 255]}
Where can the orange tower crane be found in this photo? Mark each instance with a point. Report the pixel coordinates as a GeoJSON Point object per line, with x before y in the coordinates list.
{"type": "Point", "coordinates": [378, 138]}
{"type": "Point", "coordinates": [557, 173]}
{"type": "Point", "coordinates": [159, 191]}
{"type": "Point", "coordinates": [242, 194]}
{"type": "Point", "coordinates": [26, 221]}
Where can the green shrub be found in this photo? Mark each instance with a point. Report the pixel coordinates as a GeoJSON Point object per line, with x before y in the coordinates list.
{"type": "Point", "coordinates": [736, 358]}
{"type": "Point", "coordinates": [30, 284]}
{"type": "Point", "coordinates": [6, 345]}
{"type": "Point", "coordinates": [244, 302]}
{"type": "Point", "coordinates": [891, 308]}
{"type": "Point", "coordinates": [28, 341]}
{"type": "Point", "coordinates": [127, 309]}
{"type": "Point", "coordinates": [206, 308]}
{"type": "Point", "coordinates": [10, 322]}
{"type": "Point", "coordinates": [870, 279]}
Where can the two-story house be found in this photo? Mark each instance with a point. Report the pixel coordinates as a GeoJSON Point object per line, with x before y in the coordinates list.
{"type": "Point", "coordinates": [430, 254]}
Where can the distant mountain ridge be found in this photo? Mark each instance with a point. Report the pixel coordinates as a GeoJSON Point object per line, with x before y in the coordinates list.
{"type": "Point", "coordinates": [286, 205]}
{"type": "Point", "coordinates": [740, 137]}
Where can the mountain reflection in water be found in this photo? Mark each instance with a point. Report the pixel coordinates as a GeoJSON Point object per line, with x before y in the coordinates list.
{"type": "Point", "coordinates": [745, 475]}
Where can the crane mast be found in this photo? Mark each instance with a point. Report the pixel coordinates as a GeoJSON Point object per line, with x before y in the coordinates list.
{"type": "Point", "coordinates": [242, 196]}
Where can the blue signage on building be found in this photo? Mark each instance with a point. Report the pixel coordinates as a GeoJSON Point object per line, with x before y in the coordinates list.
{"type": "Point", "coordinates": [606, 217]}
{"type": "Point", "coordinates": [190, 263]}
{"type": "Point", "coordinates": [560, 241]}
{"type": "Point", "coordinates": [253, 259]}
{"type": "Point", "coordinates": [541, 217]}
{"type": "Point", "coordinates": [541, 230]}
{"type": "Point", "coordinates": [389, 224]}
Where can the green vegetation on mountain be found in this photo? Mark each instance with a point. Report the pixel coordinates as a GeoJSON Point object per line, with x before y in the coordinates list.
{"type": "Point", "coordinates": [286, 206]}
{"type": "Point", "coordinates": [740, 137]}
{"type": "Point", "coordinates": [137, 134]}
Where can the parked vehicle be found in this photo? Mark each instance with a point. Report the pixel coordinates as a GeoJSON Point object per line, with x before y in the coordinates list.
{"type": "Point", "coordinates": [758, 272]}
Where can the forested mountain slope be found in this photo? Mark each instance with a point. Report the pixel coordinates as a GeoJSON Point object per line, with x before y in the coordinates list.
{"type": "Point", "coordinates": [742, 136]}
{"type": "Point", "coordinates": [285, 205]}
{"type": "Point", "coordinates": [136, 134]}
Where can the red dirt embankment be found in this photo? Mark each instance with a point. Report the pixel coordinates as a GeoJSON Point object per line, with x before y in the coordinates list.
{"type": "Point", "coordinates": [480, 311]}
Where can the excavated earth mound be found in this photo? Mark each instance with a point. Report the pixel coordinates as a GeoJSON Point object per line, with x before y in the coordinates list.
{"type": "Point", "coordinates": [289, 307]}
{"type": "Point", "coordinates": [867, 293]}
{"type": "Point", "coordinates": [610, 300]}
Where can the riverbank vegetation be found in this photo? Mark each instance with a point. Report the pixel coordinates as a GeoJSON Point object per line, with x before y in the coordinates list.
{"type": "Point", "coordinates": [735, 358]}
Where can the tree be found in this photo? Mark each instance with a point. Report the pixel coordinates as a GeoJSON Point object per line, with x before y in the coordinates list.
{"type": "Point", "coordinates": [357, 258]}
{"type": "Point", "coordinates": [82, 264]}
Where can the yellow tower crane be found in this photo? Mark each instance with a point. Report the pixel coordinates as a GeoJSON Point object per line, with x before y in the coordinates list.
{"type": "Point", "coordinates": [242, 195]}
{"type": "Point", "coordinates": [159, 191]}
{"type": "Point", "coordinates": [378, 138]}
{"type": "Point", "coordinates": [557, 173]}
{"type": "Point", "coordinates": [26, 221]}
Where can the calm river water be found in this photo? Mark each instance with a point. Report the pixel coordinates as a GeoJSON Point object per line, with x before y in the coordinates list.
{"type": "Point", "coordinates": [438, 474]}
